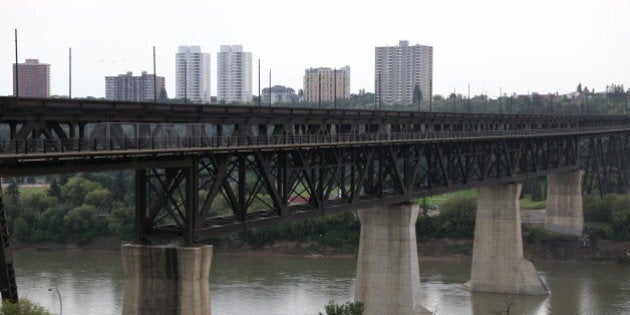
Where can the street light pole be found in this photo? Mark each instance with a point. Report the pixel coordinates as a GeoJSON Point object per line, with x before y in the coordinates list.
{"type": "Point", "coordinates": [60, 302]}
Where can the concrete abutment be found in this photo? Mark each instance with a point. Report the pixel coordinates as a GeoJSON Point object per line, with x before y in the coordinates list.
{"type": "Point", "coordinates": [564, 212]}
{"type": "Point", "coordinates": [166, 279]}
{"type": "Point", "coordinates": [388, 274]}
{"type": "Point", "coordinates": [498, 264]}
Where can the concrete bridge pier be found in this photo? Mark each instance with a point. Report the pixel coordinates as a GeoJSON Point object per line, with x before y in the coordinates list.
{"type": "Point", "coordinates": [564, 203]}
{"type": "Point", "coordinates": [498, 264]}
{"type": "Point", "coordinates": [388, 275]}
{"type": "Point", "coordinates": [166, 279]}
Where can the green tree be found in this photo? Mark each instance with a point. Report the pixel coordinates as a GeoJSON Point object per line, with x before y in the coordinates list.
{"type": "Point", "coordinates": [579, 88]}
{"type": "Point", "coordinates": [417, 95]}
{"type": "Point", "coordinates": [121, 222]}
{"type": "Point", "coordinates": [100, 198]}
{"type": "Point", "coordinates": [63, 179]}
{"type": "Point", "coordinates": [119, 188]}
{"type": "Point", "coordinates": [163, 96]}
{"type": "Point", "coordinates": [13, 192]}
{"type": "Point", "coordinates": [76, 189]}
{"type": "Point", "coordinates": [82, 223]}
{"type": "Point", "coordinates": [457, 217]}
{"type": "Point", "coordinates": [54, 190]}
{"type": "Point", "coordinates": [22, 307]}
{"type": "Point", "coordinates": [348, 308]}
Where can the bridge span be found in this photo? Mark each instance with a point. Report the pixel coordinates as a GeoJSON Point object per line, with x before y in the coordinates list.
{"type": "Point", "coordinates": [207, 170]}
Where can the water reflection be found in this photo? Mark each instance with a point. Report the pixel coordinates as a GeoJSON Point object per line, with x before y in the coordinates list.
{"type": "Point", "coordinates": [91, 283]}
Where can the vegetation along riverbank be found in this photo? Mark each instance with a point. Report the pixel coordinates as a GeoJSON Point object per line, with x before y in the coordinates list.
{"type": "Point", "coordinates": [95, 212]}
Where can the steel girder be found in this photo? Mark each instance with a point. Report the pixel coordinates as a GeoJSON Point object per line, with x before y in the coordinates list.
{"type": "Point", "coordinates": [8, 286]}
{"type": "Point", "coordinates": [228, 192]}
{"type": "Point", "coordinates": [605, 162]}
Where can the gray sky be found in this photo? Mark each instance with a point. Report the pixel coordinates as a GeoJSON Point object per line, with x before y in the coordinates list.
{"type": "Point", "coordinates": [535, 45]}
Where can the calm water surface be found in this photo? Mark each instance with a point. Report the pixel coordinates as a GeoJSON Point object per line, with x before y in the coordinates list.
{"type": "Point", "coordinates": [91, 283]}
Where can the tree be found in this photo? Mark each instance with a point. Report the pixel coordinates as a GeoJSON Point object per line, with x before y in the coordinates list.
{"type": "Point", "coordinates": [163, 97]}
{"type": "Point", "coordinates": [63, 179]}
{"type": "Point", "coordinates": [349, 308]}
{"type": "Point", "coordinates": [13, 192]}
{"type": "Point", "coordinates": [82, 223]}
{"type": "Point", "coordinates": [77, 188]}
{"type": "Point", "coordinates": [579, 88]}
{"type": "Point", "coordinates": [417, 95]}
{"type": "Point", "coordinates": [119, 188]}
{"type": "Point", "coordinates": [22, 307]}
{"type": "Point", "coordinates": [100, 198]}
{"type": "Point", "coordinates": [54, 190]}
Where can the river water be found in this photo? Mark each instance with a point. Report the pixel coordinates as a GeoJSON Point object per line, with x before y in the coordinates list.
{"type": "Point", "coordinates": [92, 283]}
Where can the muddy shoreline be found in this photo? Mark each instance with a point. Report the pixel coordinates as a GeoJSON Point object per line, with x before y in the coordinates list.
{"type": "Point", "coordinates": [570, 250]}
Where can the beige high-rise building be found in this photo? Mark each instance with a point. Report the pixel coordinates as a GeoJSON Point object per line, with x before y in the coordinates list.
{"type": "Point", "coordinates": [399, 69]}
{"type": "Point", "coordinates": [319, 84]}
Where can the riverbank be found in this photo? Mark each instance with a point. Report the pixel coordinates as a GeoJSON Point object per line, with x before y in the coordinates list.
{"type": "Point", "coordinates": [560, 248]}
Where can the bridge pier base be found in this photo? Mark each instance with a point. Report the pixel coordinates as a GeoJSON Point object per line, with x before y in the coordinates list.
{"type": "Point", "coordinates": [166, 279]}
{"type": "Point", "coordinates": [498, 264]}
{"type": "Point", "coordinates": [564, 212]}
{"type": "Point", "coordinates": [388, 275]}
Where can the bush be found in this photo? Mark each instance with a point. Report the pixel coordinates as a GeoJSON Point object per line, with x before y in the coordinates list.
{"type": "Point", "coordinates": [82, 223]}
{"type": "Point", "coordinates": [23, 307]}
{"type": "Point", "coordinates": [348, 308]}
{"type": "Point", "coordinates": [621, 225]}
{"type": "Point", "coordinates": [425, 227]}
{"type": "Point", "coordinates": [457, 218]}
{"type": "Point", "coordinates": [599, 230]}
{"type": "Point", "coordinates": [598, 209]}
{"type": "Point", "coordinates": [121, 222]}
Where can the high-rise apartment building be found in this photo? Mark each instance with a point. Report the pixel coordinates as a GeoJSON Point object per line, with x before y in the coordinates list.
{"type": "Point", "coordinates": [192, 74]}
{"type": "Point", "coordinates": [234, 74]}
{"type": "Point", "coordinates": [127, 87]}
{"type": "Point", "coordinates": [33, 79]}
{"type": "Point", "coordinates": [399, 69]}
{"type": "Point", "coordinates": [324, 83]}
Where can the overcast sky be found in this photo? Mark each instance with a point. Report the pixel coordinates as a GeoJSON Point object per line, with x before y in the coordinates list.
{"type": "Point", "coordinates": [520, 46]}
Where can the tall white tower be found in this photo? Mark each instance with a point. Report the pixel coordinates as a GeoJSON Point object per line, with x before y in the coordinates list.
{"type": "Point", "coordinates": [399, 69]}
{"type": "Point", "coordinates": [234, 75]}
{"type": "Point", "coordinates": [192, 69]}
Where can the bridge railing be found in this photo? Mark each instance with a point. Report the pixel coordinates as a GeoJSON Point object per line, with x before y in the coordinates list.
{"type": "Point", "coordinates": [32, 146]}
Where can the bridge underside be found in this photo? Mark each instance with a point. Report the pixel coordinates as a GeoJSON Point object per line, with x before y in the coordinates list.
{"type": "Point", "coordinates": [230, 192]}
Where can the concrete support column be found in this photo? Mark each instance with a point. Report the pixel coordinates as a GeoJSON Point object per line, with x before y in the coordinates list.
{"type": "Point", "coordinates": [166, 279]}
{"type": "Point", "coordinates": [564, 203]}
{"type": "Point", "coordinates": [388, 276]}
{"type": "Point", "coordinates": [498, 264]}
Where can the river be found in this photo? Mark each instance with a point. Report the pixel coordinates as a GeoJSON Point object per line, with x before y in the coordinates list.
{"type": "Point", "coordinates": [92, 283]}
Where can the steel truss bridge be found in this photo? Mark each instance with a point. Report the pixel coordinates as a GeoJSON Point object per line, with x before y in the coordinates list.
{"type": "Point", "coordinates": [207, 170]}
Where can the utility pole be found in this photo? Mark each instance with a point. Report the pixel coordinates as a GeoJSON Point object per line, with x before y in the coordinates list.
{"type": "Point", "coordinates": [335, 87]}
{"type": "Point", "coordinates": [70, 72]}
{"type": "Point", "coordinates": [454, 98]}
{"type": "Point", "coordinates": [486, 97]}
{"type": "Point", "coordinates": [500, 95]}
{"type": "Point", "coordinates": [269, 87]}
{"type": "Point", "coordinates": [259, 96]}
{"type": "Point", "coordinates": [154, 78]}
{"type": "Point", "coordinates": [17, 77]}
{"type": "Point", "coordinates": [469, 97]}
{"type": "Point", "coordinates": [186, 79]}
{"type": "Point", "coordinates": [380, 99]}
{"type": "Point", "coordinates": [376, 89]}
{"type": "Point", "coordinates": [319, 97]}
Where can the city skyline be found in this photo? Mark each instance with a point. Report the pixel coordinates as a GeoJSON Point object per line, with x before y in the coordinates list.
{"type": "Point", "coordinates": [489, 44]}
